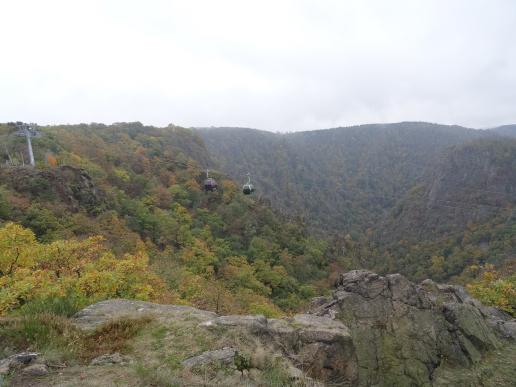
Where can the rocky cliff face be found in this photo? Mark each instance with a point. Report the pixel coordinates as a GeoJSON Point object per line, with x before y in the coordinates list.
{"type": "Point", "coordinates": [72, 186]}
{"type": "Point", "coordinates": [407, 334]}
{"type": "Point", "coordinates": [372, 331]}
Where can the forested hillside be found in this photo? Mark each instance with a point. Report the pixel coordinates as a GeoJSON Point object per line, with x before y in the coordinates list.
{"type": "Point", "coordinates": [423, 199]}
{"type": "Point", "coordinates": [341, 179]}
{"type": "Point", "coordinates": [472, 183]}
{"type": "Point", "coordinates": [506, 130]}
{"type": "Point", "coordinates": [463, 216]}
{"type": "Point", "coordinates": [135, 192]}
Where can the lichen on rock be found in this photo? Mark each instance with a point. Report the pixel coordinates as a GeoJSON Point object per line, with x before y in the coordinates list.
{"type": "Point", "coordinates": [403, 332]}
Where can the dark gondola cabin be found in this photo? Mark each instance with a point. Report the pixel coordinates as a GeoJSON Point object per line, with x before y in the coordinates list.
{"type": "Point", "coordinates": [248, 188]}
{"type": "Point", "coordinates": [210, 185]}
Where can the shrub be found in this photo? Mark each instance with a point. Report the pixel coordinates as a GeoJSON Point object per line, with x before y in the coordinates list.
{"type": "Point", "coordinates": [36, 275]}
{"type": "Point", "coordinates": [5, 206]}
{"type": "Point", "coordinates": [41, 332]}
{"type": "Point", "coordinates": [495, 289]}
{"type": "Point", "coordinates": [65, 306]}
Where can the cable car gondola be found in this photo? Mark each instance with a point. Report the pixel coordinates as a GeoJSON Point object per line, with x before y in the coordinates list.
{"type": "Point", "coordinates": [248, 188]}
{"type": "Point", "coordinates": [210, 184]}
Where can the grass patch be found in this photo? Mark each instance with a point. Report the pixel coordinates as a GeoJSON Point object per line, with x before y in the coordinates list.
{"type": "Point", "coordinates": [173, 361]}
{"type": "Point", "coordinates": [275, 375]}
{"type": "Point", "coordinates": [60, 306]}
{"type": "Point", "coordinates": [59, 340]}
{"type": "Point", "coordinates": [114, 336]}
{"type": "Point", "coordinates": [155, 377]}
{"type": "Point", "coordinates": [212, 370]}
{"type": "Point", "coordinates": [42, 333]}
{"type": "Point", "coordinates": [158, 336]}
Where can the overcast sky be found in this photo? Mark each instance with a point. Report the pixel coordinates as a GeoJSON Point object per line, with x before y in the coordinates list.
{"type": "Point", "coordinates": [275, 65]}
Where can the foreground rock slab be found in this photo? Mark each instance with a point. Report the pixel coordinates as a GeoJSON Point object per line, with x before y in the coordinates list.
{"type": "Point", "coordinates": [225, 355]}
{"type": "Point", "coordinates": [319, 346]}
{"type": "Point", "coordinates": [404, 332]}
{"type": "Point", "coordinates": [17, 361]}
{"type": "Point", "coordinates": [113, 358]}
{"type": "Point", "coordinates": [372, 331]}
{"type": "Point", "coordinates": [100, 313]}
{"type": "Point", "coordinates": [36, 370]}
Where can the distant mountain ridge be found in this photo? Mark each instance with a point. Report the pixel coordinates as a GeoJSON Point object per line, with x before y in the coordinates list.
{"type": "Point", "coordinates": [319, 173]}
{"type": "Point", "coordinates": [506, 130]}
{"type": "Point", "coordinates": [387, 197]}
{"type": "Point", "coordinates": [403, 191]}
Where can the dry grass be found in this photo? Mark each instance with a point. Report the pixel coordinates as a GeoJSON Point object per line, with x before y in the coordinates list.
{"type": "Point", "coordinates": [114, 336]}
{"type": "Point", "coordinates": [42, 332]}
{"type": "Point", "coordinates": [56, 335]}
{"type": "Point", "coordinates": [156, 349]}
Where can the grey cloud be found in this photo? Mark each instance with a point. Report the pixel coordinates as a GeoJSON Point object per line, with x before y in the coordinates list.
{"type": "Point", "coordinates": [277, 65]}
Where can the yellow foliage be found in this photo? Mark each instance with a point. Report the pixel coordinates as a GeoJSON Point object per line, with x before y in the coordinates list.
{"type": "Point", "coordinates": [16, 245]}
{"type": "Point", "coordinates": [229, 188]}
{"type": "Point", "coordinates": [253, 303]}
{"type": "Point", "coordinates": [199, 259]}
{"type": "Point", "coordinates": [30, 270]}
{"type": "Point", "coordinates": [122, 174]}
{"type": "Point", "coordinates": [192, 185]}
{"type": "Point", "coordinates": [212, 295]}
{"type": "Point", "coordinates": [82, 162]}
{"type": "Point", "coordinates": [494, 288]}
{"type": "Point", "coordinates": [437, 267]}
{"type": "Point", "coordinates": [238, 273]}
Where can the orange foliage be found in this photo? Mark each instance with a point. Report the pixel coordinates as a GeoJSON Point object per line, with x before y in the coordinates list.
{"type": "Point", "coordinates": [51, 160]}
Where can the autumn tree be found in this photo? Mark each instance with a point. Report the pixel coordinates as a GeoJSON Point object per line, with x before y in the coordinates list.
{"type": "Point", "coordinates": [31, 271]}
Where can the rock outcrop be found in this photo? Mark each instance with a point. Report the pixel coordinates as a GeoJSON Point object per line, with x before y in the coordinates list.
{"type": "Point", "coordinates": [100, 313]}
{"type": "Point", "coordinates": [73, 186]}
{"type": "Point", "coordinates": [319, 346]}
{"type": "Point", "coordinates": [404, 333]}
{"type": "Point", "coordinates": [16, 361]}
{"type": "Point", "coordinates": [372, 331]}
{"type": "Point", "coordinates": [36, 370]}
{"type": "Point", "coordinates": [110, 358]}
{"type": "Point", "coordinates": [225, 355]}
